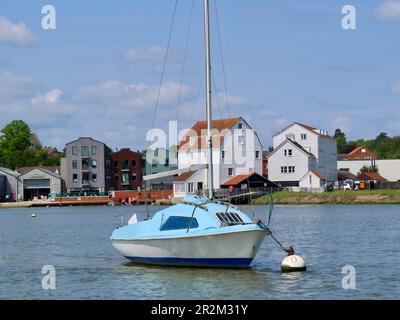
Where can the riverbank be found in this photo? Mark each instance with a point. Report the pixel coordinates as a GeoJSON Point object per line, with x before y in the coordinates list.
{"type": "Point", "coordinates": [335, 197]}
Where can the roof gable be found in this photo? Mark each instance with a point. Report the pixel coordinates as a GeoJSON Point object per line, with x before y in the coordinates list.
{"type": "Point", "coordinates": [308, 128]}
{"type": "Point", "coordinates": [293, 143]}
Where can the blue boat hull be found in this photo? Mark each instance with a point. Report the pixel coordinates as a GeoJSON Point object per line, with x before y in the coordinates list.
{"type": "Point", "coordinates": [195, 262]}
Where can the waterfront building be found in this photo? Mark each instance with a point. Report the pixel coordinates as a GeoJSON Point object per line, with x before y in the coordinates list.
{"type": "Point", "coordinates": [10, 185]}
{"type": "Point", "coordinates": [303, 153]}
{"type": "Point", "coordinates": [86, 168]}
{"type": "Point", "coordinates": [126, 170]}
{"type": "Point", "coordinates": [237, 151]}
{"type": "Point", "coordinates": [38, 182]}
{"type": "Point", "coordinates": [157, 161]}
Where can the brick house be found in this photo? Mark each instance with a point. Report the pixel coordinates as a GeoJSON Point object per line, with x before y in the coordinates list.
{"type": "Point", "coordinates": [126, 170]}
{"type": "Point", "coordinates": [359, 153]}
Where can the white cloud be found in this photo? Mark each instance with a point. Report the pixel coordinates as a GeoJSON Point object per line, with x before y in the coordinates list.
{"type": "Point", "coordinates": [235, 101]}
{"type": "Point", "coordinates": [153, 54]}
{"type": "Point", "coordinates": [389, 10]}
{"type": "Point", "coordinates": [15, 34]}
{"type": "Point", "coordinates": [396, 88]}
{"type": "Point", "coordinates": [50, 97]}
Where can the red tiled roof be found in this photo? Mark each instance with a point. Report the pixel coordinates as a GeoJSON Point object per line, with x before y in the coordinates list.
{"type": "Point", "coordinates": [238, 179]}
{"type": "Point", "coordinates": [185, 176]}
{"type": "Point", "coordinates": [198, 130]}
{"type": "Point", "coordinates": [370, 176]}
{"type": "Point", "coordinates": [315, 130]}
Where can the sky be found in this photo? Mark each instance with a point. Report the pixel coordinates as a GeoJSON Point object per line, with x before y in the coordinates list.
{"type": "Point", "coordinates": [274, 62]}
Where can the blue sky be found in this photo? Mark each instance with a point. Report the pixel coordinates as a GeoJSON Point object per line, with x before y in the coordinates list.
{"type": "Point", "coordinates": [97, 74]}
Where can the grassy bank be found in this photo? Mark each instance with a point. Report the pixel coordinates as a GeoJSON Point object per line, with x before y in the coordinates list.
{"type": "Point", "coordinates": [335, 197]}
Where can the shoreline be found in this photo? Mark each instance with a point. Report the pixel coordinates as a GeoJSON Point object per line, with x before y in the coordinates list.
{"type": "Point", "coordinates": [370, 197]}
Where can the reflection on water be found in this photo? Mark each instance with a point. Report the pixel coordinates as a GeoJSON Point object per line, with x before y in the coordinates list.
{"type": "Point", "coordinates": [76, 241]}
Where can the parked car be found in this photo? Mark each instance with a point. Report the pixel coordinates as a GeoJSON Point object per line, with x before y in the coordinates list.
{"type": "Point", "coordinates": [347, 186]}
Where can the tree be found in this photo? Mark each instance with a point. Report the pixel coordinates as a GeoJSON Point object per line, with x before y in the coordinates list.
{"type": "Point", "coordinates": [369, 169]}
{"type": "Point", "coordinates": [340, 140]}
{"type": "Point", "coordinates": [14, 143]}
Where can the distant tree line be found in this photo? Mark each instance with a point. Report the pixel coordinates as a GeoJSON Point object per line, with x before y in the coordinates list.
{"type": "Point", "coordinates": [20, 147]}
{"type": "Point", "coordinates": [385, 147]}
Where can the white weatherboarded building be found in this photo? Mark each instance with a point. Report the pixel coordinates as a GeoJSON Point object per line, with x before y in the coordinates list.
{"type": "Point", "coordinates": [237, 150]}
{"type": "Point", "coordinates": [303, 156]}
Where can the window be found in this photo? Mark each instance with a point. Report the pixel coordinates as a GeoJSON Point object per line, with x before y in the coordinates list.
{"type": "Point", "coordinates": [116, 163]}
{"type": "Point", "coordinates": [133, 163]}
{"type": "Point", "coordinates": [240, 139]}
{"type": "Point", "coordinates": [258, 153]}
{"type": "Point", "coordinates": [192, 140]}
{"type": "Point", "coordinates": [303, 136]}
{"type": "Point", "coordinates": [85, 178]}
{"type": "Point", "coordinates": [178, 223]}
{"type": "Point", "coordinates": [291, 169]}
{"type": "Point", "coordinates": [85, 164]}
{"type": "Point", "coordinates": [85, 151]}
{"type": "Point", "coordinates": [74, 164]}
{"type": "Point", "coordinates": [133, 176]}
{"type": "Point", "coordinates": [125, 178]}
{"type": "Point", "coordinates": [190, 187]}
{"type": "Point", "coordinates": [230, 171]}
{"type": "Point", "coordinates": [94, 164]}
{"type": "Point", "coordinates": [222, 154]}
{"type": "Point", "coordinates": [310, 179]}
{"type": "Point", "coordinates": [94, 177]}
{"type": "Point", "coordinates": [116, 177]}
{"type": "Point", "coordinates": [240, 126]}
{"type": "Point", "coordinates": [108, 163]}
{"type": "Point", "coordinates": [368, 158]}
{"type": "Point", "coordinates": [180, 187]}
{"type": "Point", "coordinates": [94, 150]}
{"type": "Point", "coordinates": [363, 150]}
{"type": "Point", "coordinates": [288, 152]}
{"type": "Point", "coordinates": [124, 164]}
{"type": "Point", "coordinates": [74, 151]}
{"type": "Point", "coordinates": [229, 217]}
{"type": "Point", "coordinates": [357, 158]}
{"type": "Point", "coordinates": [74, 178]}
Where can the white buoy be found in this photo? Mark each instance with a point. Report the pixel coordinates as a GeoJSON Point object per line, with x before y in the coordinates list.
{"type": "Point", "coordinates": [293, 263]}
{"type": "Point", "coordinates": [33, 215]}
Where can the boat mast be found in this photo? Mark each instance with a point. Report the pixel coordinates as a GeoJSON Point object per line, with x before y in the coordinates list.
{"type": "Point", "coordinates": [208, 97]}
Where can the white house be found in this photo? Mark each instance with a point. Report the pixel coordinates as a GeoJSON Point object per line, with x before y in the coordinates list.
{"type": "Point", "coordinates": [388, 168]}
{"type": "Point", "coordinates": [237, 150]}
{"type": "Point", "coordinates": [300, 152]}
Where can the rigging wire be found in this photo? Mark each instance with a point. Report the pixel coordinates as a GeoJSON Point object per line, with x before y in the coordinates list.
{"type": "Point", "coordinates": [216, 95]}
{"type": "Point", "coordinates": [163, 70]}
{"type": "Point", "coordinates": [222, 58]}
{"type": "Point", "coordinates": [184, 60]}
{"type": "Point", "coordinates": [197, 97]}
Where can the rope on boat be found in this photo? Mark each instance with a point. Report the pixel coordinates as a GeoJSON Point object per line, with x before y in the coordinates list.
{"type": "Point", "coordinates": [289, 251]}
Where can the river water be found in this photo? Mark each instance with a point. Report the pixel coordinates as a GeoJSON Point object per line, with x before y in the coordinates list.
{"type": "Point", "coordinates": [75, 240]}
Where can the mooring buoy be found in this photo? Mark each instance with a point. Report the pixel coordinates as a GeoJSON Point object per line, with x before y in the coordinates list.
{"type": "Point", "coordinates": [293, 263]}
{"type": "Point", "coordinates": [33, 215]}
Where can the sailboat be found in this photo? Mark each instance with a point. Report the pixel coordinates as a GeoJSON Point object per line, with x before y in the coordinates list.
{"type": "Point", "coordinates": [199, 231]}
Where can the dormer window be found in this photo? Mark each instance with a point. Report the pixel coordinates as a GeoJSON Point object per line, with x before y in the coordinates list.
{"type": "Point", "coordinates": [363, 150]}
{"type": "Point", "coordinates": [240, 126]}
